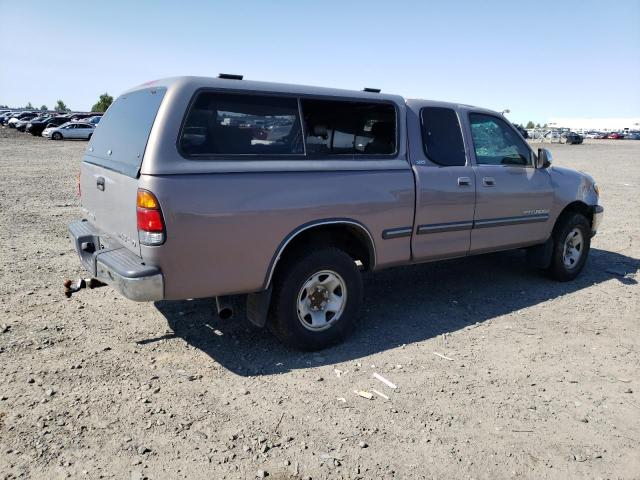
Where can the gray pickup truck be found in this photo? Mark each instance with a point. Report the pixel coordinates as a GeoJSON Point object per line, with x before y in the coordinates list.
{"type": "Point", "coordinates": [219, 187]}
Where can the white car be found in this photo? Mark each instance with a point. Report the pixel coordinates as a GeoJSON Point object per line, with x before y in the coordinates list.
{"type": "Point", "coordinates": [69, 130]}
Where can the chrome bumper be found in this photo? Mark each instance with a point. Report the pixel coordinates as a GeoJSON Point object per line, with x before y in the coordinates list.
{"type": "Point", "coordinates": [115, 265]}
{"type": "Point", "coordinates": [598, 213]}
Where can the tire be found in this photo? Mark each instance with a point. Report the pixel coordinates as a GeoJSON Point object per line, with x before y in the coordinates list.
{"type": "Point", "coordinates": [305, 288]}
{"type": "Point", "coordinates": [89, 137]}
{"type": "Point", "coordinates": [56, 136]}
{"type": "Point", "coordinates": [570, 254]}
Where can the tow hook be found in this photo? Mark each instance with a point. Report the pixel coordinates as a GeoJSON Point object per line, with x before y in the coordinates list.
{"type": "Point", "coordinates": [71, 287]}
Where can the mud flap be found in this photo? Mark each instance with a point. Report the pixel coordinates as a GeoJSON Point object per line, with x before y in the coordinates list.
{"type": "Point", "coordinates": [258, 307]}
{"type": "Point", "coordinates": [540, 255]}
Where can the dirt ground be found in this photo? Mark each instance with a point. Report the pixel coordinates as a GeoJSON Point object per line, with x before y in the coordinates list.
{"type": "Point", "coordinates": [501, 373]}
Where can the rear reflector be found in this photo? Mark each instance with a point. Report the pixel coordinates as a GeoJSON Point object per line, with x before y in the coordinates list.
{"type": "Point", "coordinates": [150, 221]}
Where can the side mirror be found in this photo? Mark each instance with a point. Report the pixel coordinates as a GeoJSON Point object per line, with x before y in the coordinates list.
{"type": "Point", "coordinates": [544, 158]}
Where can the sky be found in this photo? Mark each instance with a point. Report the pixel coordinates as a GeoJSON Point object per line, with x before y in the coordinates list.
{"type": "Point", "coordinates": [539, 59]}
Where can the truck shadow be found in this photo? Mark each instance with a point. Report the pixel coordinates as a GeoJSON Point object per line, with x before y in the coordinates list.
{"type": "Point", "coordinates": [401, 306]}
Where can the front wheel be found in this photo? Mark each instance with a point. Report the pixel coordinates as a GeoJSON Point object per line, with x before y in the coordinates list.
{"type": "Point", "coordinates": [571, 244]}
{"type": "Point", "coordinates": [56, 136]}
{"type": "Point", "coordinates": [316, 299]}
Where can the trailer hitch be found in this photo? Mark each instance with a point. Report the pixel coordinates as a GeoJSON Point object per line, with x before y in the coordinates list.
{"type": "Point", "coordinates": [71, 287]}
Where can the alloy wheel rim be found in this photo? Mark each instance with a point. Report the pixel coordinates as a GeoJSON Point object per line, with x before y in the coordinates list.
{"type": "Point", "coordinates": [321, 300]}
{"type": "Point", "coordinates": [573, 248]}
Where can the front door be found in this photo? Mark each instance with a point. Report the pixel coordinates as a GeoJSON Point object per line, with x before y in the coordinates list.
{"type": "Point", "coordinates": [513, 198]}
{"type": "Point", "coordinates": [445, 184]}
{"type": "Point", "coordinates": [71, 131]}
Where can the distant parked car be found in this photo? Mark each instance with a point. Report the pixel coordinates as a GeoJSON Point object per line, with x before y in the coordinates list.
{"type": "Point", "coordinates": [69, 130]}
{"type": "Point", "coordinates": [20, 116]}
{"type": "Point", "coordinates": [4, 118]}
{"type": "Point", "coordinates": [22, 125]}
{"type": "Point", "coordinates": [94, 120]}
{"type": "Point", "coordinates": [633, 136]}
{"type": "Point", "coordinates": [37, 125]}
{"type": "Point", "coordinates": [615, 136]}
{"type": "Point", "coordinates": [81, 117]}
{"type": "Point", "coordinates": [571, 138]}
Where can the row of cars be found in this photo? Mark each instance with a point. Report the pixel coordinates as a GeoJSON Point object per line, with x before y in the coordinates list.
{"type": "Point", "coordinates": [53, 125]}
{"type": "Point", "coordinates": [569, 137]}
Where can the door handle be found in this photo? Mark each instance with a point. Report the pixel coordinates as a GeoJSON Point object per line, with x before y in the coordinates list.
{"type": "Point", "coordinates": [464, 181]}
{"type": "Point", "coordinates": [489, 181]}
{"type": "Point", "coordinates": [100, 183]}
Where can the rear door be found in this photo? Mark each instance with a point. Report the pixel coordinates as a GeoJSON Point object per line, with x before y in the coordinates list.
{"type": "Point", "coordinates": [445, 186]}
{"type": "Point", "coordinates": [111, 165]}
{"type": "Point", "coordinates": [513, 197]}
{"type": "Point", "coordinates": [83, 131]}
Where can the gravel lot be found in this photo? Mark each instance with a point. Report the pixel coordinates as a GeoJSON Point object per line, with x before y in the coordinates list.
{"type": "Point", "coordinates": [540, 379]}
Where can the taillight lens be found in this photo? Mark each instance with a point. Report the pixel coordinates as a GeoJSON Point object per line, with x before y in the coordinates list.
{"type": "Point", "coordinates": [150, 221]}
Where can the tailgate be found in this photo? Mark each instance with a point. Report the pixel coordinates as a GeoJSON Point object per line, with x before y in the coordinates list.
{"type": "Point", "coordinates": [111, 165]}
{"type": "Point", "coordinates": [109, 203]}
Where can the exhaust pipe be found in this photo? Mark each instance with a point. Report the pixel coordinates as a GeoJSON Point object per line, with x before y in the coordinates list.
{"type": "Point", "coordinates": [224, 307]}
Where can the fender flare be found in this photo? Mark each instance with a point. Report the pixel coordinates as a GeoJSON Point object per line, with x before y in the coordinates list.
{"type": "Point", "coordinates": [371, 246]}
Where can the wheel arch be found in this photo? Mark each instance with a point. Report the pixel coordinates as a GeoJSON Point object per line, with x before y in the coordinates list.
{"type": "Point", "coordinates": [348, 234]}
{"type": "Point", "coordinates": [577, 206]}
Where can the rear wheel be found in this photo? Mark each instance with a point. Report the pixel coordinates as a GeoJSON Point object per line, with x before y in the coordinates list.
{"type": "Point", "coordinates": [316, 299]}
{"type": "Point", "coordinates": [56, 136]}
{"type": "Point", "coordinates": [571, 244]}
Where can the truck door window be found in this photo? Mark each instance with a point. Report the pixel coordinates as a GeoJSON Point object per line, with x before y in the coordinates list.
{"type": "Point", "coordinates": [496, 143]}
{"type": "Point", "coordinates": [349, 128]}
{"type": "Point", "coordinates": [442, 137]}
{"type": "Point", "coordinates": [237, 124]}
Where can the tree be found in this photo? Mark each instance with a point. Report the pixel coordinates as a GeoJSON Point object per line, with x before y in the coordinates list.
{"type": "Point", "coordinates": [29, 106]}
{"type": "Point", "coordinates": [103, 103]}
{"type": "Point", "coordinates": [43, 107]}
{"type": "Point", "coordinates": [61, 107]}
{"type": "Point", "coordinates": [530, 125]}
{"type": "Point", "coordinates": [537, 125]}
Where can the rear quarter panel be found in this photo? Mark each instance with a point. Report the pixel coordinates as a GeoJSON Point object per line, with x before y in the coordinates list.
{"type": "Point", "coordinates": [223, 230]}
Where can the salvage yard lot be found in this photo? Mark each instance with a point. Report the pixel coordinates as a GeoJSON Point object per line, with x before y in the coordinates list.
{"type": "Point", "coordinates": [501, 373]}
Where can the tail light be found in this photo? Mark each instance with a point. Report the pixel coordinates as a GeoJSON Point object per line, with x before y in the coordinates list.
{"type": "Point", "coordinates": [150, 221]}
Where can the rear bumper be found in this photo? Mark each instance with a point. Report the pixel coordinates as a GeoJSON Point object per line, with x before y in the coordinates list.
{"type": "Point", "coordinates": [115, 265]}
{"type": "Point", "coordinates": [598, 213]}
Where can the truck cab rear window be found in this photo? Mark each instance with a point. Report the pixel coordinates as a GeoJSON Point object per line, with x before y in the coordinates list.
{"type": "Point", "coordinates": [234, 124]}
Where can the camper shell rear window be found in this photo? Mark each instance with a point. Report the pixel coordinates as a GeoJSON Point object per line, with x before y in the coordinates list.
{"type": "Point", "coordinates": [120, 138]}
